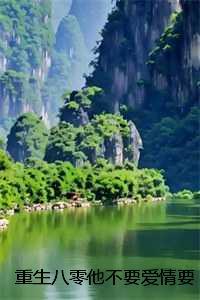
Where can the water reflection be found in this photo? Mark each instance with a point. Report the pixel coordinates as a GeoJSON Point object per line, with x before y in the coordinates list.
{"type": "Point", "coordinates": [146, 236]}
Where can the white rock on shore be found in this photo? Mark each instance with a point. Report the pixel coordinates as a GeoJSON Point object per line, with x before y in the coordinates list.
{"type": "Point", "coordinates": [3, 224]}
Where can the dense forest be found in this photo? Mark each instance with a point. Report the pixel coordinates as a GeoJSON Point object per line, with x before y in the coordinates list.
{"type": "Point", "coordinates": [101, 129]}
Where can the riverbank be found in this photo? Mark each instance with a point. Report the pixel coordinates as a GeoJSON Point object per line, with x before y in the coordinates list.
{"type": "Point", "coordinates": [74, 202]}
{"type": "Point", "coordinates": [36, 185]}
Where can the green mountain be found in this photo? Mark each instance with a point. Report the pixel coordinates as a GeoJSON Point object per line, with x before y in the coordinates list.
{"type": "Point", "coordinates": [43, 52]}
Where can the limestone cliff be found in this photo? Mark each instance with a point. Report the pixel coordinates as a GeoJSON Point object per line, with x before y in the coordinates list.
{"type": "Point", "coordinates": [26, 39]}
{"type": "Point", "coordinates": [148, 65]}
{"type": "Point", "coordinates": [129, 35]}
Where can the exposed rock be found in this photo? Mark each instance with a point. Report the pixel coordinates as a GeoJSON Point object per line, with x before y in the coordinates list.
{"type": "Point", "coordinates": [10, 212]}
{"type": "Point", "coordinates": [114, 149]}
{"type": "Point", "coordinates": [135, 144]}
{"type": "Point", "coordinates": [28, 208]}
{"type": "Point", "coordinates": [78, 118]}
{"type": "Point", "coordinates": [60, 205]}
{"type": "Point", "coordinates": [148, 62]}
{"type": "Point", "coordinates": [178, 79]}
{"type": "Point", "coordinates": [38, 207]}
{"type": "Point", "coordinates": [118, 149]}
{"type": "Point", "coordinates": [125, 63]}
{"type": "Point", "coordinates": [3, 224]}
{"type": "Point", "coordinates": [96, 203]}
{"type": "Point", "coordinates": [124, 52]}
{"type": "Point", "coordinates": [125, 201]}
{"type": "Point", "coordinates": [80, 203]}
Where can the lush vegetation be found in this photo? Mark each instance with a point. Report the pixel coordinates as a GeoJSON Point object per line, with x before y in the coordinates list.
{"type": "Point", "coordinates": [71, 158]}
{"type": "Point", "coordinates": [77, 102]}
{"type": "Point", "coordinates": [75, 144]}
{"type": "Point", "coordinates": [39, 182]}
{"type": "Point", "coordinates": [187, 195]}
{"type": "Point", "coordinates": [171, 126]}
{"type": "Point", "coordinates": [165, 140]}
{"type": "Point", "coordinates": [167, 44]}
{"type": "Point", "coordinates": [82, 136]}
{"type": "Point", "coordinates": [67, 142]}
{"type": "Point", "coordinates": [28, 138]}
{"type": "Point", "coordinates": [2, 143]}
{"type": "Point", "coordinates": [71, 166]}
{"type": "Point", "coordinates": [26, 42]}
{"type": "Point", "coordinates": [24, 19]}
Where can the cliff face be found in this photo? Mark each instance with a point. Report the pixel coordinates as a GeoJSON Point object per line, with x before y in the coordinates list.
{"type": "Point", "coordinates": [174, 63]}
{"type": "Point", "coordinates": [26, 39]}
{"type": "Point", "coordinates": [149, 43]}
{"type": "Point", "coordinates": [128, 37]}
{"type": "Point", "coordinates": [148, 65]}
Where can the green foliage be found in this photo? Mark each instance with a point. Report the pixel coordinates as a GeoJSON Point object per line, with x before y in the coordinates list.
{"type": "Point", "coordinates": [164, 141]}
{"type": "Point", "coordinates": [77, 100]}
{"type": "Point", "coordinates": [100, 128]}
{"type": "Point", "coordinates": [76, 138]}
{"type": "Point", "coordinates": [167, 116]}
{"type": "Point", "coordinates": [39, 182]}
{"type": "Point", "coordinates": [62, 143]}
{"type": "Point", "coordinates": [2, 143]}
{"type": "Point", "coordinates": [15, 83]}
{"type": "Point", "coordinates": [70, 143]}
{"type": "Point", "coordinates": [5, 161]}
{"type": "Point", "coordinates": [109, 124]}
{"type": "Point", "coordinates": [183, 195]}
{"type": "Point", "coordinates": [26, 41]}
{"type": "Point", "coordinates": [28, 138]}
{"type": "Point", "coordinates": [167, 45]}
{"type": "Point", "coordinates": [116, 22]}
{"type": "Point", "coordinates": [30, 24]}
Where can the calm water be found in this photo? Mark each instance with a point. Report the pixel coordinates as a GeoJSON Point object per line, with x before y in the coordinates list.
{"type": "Point", "coordinates": [150, 236]}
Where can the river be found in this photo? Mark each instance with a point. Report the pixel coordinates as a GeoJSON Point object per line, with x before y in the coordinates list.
{"type": "Point", "coordinates": [149, 236]}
